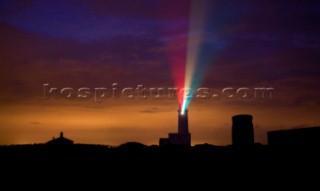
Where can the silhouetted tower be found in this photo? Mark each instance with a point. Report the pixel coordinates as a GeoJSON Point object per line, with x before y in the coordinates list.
{"type": "Point", "coordinates": [183, 122]}
{"type": "Point", "coordinates": [242, 130]}
{"type": "Point", "coordinates": [183, 137]}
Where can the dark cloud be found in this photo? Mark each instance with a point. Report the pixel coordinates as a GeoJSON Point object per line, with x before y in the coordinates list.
{"type": "Point", "coordinates": [164, 9]}
{"type": "Point", "coordinates": [35, 123]}
{"type": "Point", "coordinates": [37, 59]}
{"type": "Point", "coordinates": [152, 110]}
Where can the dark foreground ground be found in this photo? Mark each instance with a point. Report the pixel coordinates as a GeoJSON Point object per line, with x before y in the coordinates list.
{"type": "Point", "coordinates": [134, 164]}
{"type": "Point", "coordinates": [136, 152]}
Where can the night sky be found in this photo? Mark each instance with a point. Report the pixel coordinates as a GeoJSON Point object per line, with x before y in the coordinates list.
{"type": "Point", "coordinates": [145, 42]}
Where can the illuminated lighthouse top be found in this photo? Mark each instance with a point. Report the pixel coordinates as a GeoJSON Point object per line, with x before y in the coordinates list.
{"type": "Point", "coordinates": [183, 127]}
{"type": "Point", "coordinates": [183, 137]}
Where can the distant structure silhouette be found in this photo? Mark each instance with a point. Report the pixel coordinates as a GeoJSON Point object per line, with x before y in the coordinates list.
{"type": "Point", "coordinates": [183, 137]}
{"type": "Point", "coordinates": [242, 131]}
{"type": "Point", "coordinates": [309, 136]}
{"type": "Point", "coordinates": [60, 141]}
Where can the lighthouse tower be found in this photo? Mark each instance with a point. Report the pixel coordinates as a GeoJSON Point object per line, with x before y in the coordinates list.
{"type": "Point", "coordinates": [183, 122]}
{"type": "Point", "coordinates": [183, 137]}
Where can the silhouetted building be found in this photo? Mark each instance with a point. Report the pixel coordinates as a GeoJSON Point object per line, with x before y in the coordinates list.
{"type": "Point", "coordinates": [242, 131]}
{"type": "Point", "coordinates": [60, 141]}
{"type": "Point", "coordinates": [183, 137]}
{"type": "Point", "coordinates": [295, 137]}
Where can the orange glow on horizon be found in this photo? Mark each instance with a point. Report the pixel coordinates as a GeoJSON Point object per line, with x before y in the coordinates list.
{"type": "Point", "coordinates": [143, 122]}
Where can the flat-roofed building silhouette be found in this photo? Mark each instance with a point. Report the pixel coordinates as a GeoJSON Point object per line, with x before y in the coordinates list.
{"type": "Point", "coordinates": [309, 136]}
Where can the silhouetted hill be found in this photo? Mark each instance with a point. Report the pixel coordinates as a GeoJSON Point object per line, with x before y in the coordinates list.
{"type": "Point", "coordinates": [132, 145]}
{"type": "Point", "coordinates": [133, 151]}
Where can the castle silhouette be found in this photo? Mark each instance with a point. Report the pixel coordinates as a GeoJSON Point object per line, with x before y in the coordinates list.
{"type": "Point", "coordinates": [60, 140]}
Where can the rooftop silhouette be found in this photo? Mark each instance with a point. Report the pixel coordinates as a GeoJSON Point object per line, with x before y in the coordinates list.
{"type": "Point", "coordinates": [308, 136]}
{"type": "Point", "coordinates": [60, 140]}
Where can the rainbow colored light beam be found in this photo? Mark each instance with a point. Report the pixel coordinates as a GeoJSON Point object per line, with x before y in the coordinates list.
{"type": "Point", "coordinates": [191, 48]}
{"type": "Point", "coordinates": [199, 53]}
